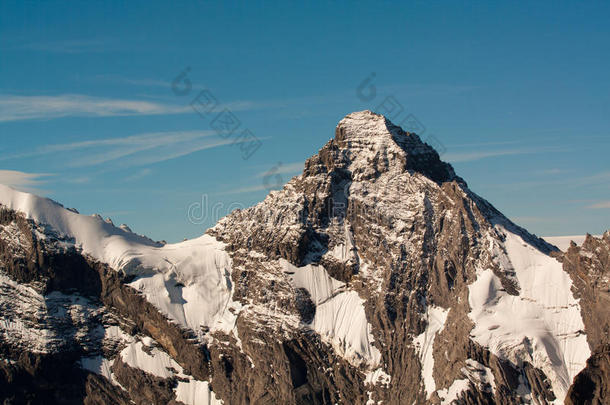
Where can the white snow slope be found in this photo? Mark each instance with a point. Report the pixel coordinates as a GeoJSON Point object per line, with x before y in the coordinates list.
{"type": "Point", "coordinates": [340, 318]}
{"type": "Point", "coordinates": [542, 325]}
{"type": "Point", "coordinates": [189, 282]}
{"type": "Point", "coordinates": [424, 343]}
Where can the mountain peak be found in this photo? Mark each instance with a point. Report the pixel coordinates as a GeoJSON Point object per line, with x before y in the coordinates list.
{"type": "Point", "coordinates": [364, 124]}
{"type": "Point", "coordinates": [368, 144]}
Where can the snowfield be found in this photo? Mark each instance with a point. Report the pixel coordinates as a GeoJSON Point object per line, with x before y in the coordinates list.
{"type": "Point", "coordinates": [340, 318]}
{"type": "Point", "coordinates": [189, 281]}
{"type": "Point", "coordinates": [542, 325]}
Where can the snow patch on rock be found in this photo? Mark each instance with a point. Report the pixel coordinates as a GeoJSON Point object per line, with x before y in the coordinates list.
{"type": "Point", "coordinates": [195, 392]}
{"type": "Point", "coordinates": [424, 344]}
{"type": "Point", "coordinates": [378, 376]}
{"type": "Point", "coordinates": [153, 361]}
{"type": "Point", "coordinates": [340, 319]}
{"type": "Point", "coordinates": [450, 395]}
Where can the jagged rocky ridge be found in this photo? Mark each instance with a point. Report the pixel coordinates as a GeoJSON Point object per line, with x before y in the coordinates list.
{"type": "Point", "coordinates": [376, 276]}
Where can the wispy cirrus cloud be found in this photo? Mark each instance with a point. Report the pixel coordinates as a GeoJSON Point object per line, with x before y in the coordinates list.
{"type": "Point", "coordinates": [19, 108]}
{"type": "Point", "coordinates": [600, 205]}
{"type": "Point", "coordinates": [283, 168]}
{"type": "Point", "coordinates": [244, 190]}
{"type": "Point", "coordinates": [23, 181]}
{"type": "Point", "coordinates": [139, 174]}
{"type": "Point", "coordinates": [134, 150]}
{"type": "Point", "coordinates": [461, 157]}
{"type": "Point", "coordinates": [15, 107]}
{"type": "Point", "coordinates": [272, 179]}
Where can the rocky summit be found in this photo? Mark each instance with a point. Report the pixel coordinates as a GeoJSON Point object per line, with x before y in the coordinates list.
{"type": "Point", "coordinates": [374, 277]}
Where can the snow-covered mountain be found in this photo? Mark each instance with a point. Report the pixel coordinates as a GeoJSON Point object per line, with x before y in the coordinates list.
{"type": "Point", "coordinates": [376, 276]}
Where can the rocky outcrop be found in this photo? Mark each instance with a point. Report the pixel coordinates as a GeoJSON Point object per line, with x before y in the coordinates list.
{"type": "Point", "coordinates": [591, 385]}
{"type": "Point", "coordinates": [589, 267]}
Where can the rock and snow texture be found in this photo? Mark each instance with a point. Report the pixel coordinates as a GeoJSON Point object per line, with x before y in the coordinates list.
{"type": "Point", "coordinates": [477, 375]}
{"type": "Point", "coordinates": [189, 281]}
{"type": "Point", "coordinates": [43, 324]}
{"type": "Point", "coordinates": [376, 276]}
{"type": "Point", "coordinates": [542, 325]}
{"type": "Point", "coordinates": [340, 318]}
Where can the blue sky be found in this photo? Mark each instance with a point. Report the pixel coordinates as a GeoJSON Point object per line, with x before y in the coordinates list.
{"type": "Point", "coordinates": [518, 98]}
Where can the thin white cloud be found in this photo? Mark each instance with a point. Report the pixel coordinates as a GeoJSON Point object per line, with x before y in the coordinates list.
{"type": "Point", "coordinates": [180, 150]}
{"type": "Point", "coordinates": [79, 180]}
{"type": "Point", "coordinates": [244, 190]}
{"type": "Point", "coordinates": [139, 174]}
{"type": "Point", "coordinates": [17, 108]}
{"type": "Point", "coordinates": [282, 168]}
{"type": "Point", "coordinates": [23, 181]}
{"type": "Point", "coordinates": [601, 180]}
{"type": "Point", "coordinates": [131, 143]}
{"type": "Point", "coordinates": [135, 150]}
{"type": "Point", "coordinates": [600, 205]}
{"type": "Point", "coordinates": [460, 157]}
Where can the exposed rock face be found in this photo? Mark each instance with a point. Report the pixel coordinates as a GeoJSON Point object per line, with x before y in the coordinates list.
{"type": "Point", "coordinates": [376, 275]}
{"type": "Point", "coordinates": [589, 267]}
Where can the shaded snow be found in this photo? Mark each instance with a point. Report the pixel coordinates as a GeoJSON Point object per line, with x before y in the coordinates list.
{"type": "Point", "coordinates": [112, 336]}
{"type": "Point", "coordinates": [98, 365]}
{"type": "Point", "coordinates": [143, 353]}
{"type": "Point", "coordinates": [157, 362]}
{"type": "Point", "coordinates": [450, 395]}
{"type": "Point", "coordinates": [195, 392]}
{"type": "Point", "coordinates": [377, 376]}
{"type": "Point", "coordinates": [340, 318]}
{"type": "Point", "coordinates": [189, 281]}
{"type": "Point", "coordinates": [542, 325]}
{"type": "Point", "coordinates": [424, 344]}
{"type": "Point", "coordinates": [315, 279]}
{"type": "Point", "coordinates": [482, 377]}
{"type": "Point", "coordinates": [45, 323]}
